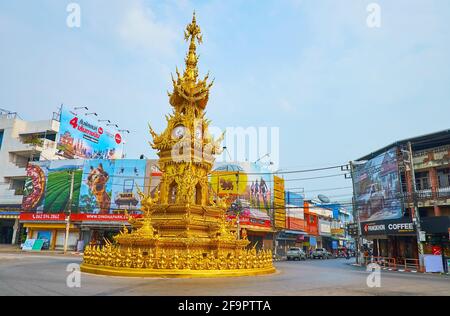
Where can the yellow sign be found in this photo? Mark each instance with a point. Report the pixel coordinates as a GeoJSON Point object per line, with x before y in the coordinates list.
{"type": "Point", "coordinates": [228, 182]}
{"type": "Point", "coordinates": [279, 203]}
{"type": "Point", "coordinates": [337, 231]}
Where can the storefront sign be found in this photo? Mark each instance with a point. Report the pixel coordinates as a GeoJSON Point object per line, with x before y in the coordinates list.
{"type": "Point", "coordinates": [436, 250]}
{"type": "Point", "coordinates": [388, 227]}
{"type": "Point", "coordinates": [324, 227]}
{"type": "Point", "coordinates": [101, 217]}
{"type": "Point", "coordinates": [42, 217]}
{"type": "Point", "coordinates": [321, 211]}
{"type": "Point", "coordinates": [433, 263]}
{"type": "Point", "coordinates": [337, 231]}
{"type": "Point", "coordinates": [28, 244]}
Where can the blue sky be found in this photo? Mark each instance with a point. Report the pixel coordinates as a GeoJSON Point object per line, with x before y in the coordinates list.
{"type": "Point", "coordinates": [336, 88]}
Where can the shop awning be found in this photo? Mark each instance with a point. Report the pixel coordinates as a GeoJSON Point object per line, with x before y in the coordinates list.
{"type": "Point", "coordinates": [295, 232]}
{"type": "Point", "coordinates": [47, 226]}
{"type": "Point", "coordinates": [9, 214]}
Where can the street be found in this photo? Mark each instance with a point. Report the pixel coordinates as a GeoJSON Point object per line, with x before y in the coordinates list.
{"type": "Point", "coordinates": [36, 274]}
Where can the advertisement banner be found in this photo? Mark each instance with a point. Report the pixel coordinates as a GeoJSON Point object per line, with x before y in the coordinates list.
{"type": "Point", "coordinates": [58, 185]}
{"type": "Point", "coordinates": [279, 203]}
{"type": "Point", "coordinates": [96, 187]}
{"type": "Point", "coordinates": [82, 136]}
{"type": "Point", "coordinates": [294, 211]}
{"type": "Point", "coordinates": [377, 188]}
{"type": "Point", "coordinates": [128, 178]}
{"type": "Point", "coordinates": [35, 184]}
{"type": "Point", "coordinates": [152, 177]}
{"type": "Point", "coordinates": [250, 182]}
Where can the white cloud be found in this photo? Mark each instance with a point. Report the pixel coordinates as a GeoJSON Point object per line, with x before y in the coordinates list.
{"type": "Point", "coordinates": [287, 106]}
{"type": "Point", "coordinates": [143, 32]}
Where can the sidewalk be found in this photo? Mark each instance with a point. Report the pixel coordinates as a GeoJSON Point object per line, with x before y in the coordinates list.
{"type": "Point", "coordinates": [15, 249]}
{"type": "Point", "coordinates": [357, 265]}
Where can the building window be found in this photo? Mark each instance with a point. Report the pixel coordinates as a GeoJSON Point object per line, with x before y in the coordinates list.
{"type": "Point", "coordinates": [444, 177]}
{"type": "Point", "coordinates": [422, 181]}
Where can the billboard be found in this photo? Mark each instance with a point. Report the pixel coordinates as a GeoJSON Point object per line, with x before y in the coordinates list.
{"type": "Point", "coordinates": [377, 188]}
{"type": "Point", "coordinates": [251, 183]}
{"type": "Point", "coordinates": [83, 137]}
{"type": "Point", "coordinates": [128, 178]}
{"type": "Point", "coordinates": [279, 202]}
{"type": "Point", "coordinates": [103, 188]}
{"type": "Point", "coordinates": [35, 184]}
{"type": "Point", "coordinates": [96, 186]}
{"type": "Point", "coordinates": [59, 177]}
{"type": "Point", "coordinates": [294, 211]}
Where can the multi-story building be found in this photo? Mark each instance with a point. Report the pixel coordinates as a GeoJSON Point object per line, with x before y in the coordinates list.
{"type": "Point", "coordinates": [20, 142]}
{"type": "Point", "coordinates": [386, 197]}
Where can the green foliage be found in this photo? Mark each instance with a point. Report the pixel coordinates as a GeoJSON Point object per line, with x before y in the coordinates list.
{"type": "Point", "coordinates": [58, 191]}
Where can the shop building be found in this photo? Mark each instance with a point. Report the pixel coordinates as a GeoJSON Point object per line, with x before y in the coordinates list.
{"type": "Point", "coordinates": [20, 142]}
{"type": "Point", "coordinates": [394, 196]}
{"type": "Point", "coordinates": [295, 232]}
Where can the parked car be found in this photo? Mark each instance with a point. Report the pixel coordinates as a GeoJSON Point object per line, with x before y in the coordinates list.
{"type": "Point", "coordinates": [321, 253]}
{"type": "Point", "coordinates": [296, 254]}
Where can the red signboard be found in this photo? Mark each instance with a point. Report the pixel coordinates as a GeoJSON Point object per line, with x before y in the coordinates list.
{"type": "Point", "coordinates": [41, 217]}
{"type": "Point", "coordinates": [74, 217]}
{"type": "Point", "coordinates": [100, 217]}
{"type": "Point", "coordinates": [436, 250]}
{"type": "Point", "coordinates": [251, 221]}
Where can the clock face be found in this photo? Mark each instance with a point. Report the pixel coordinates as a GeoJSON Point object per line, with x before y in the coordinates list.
{"type": "Point", "coordinates": [178, 131]}
{"type": "Point", "coordinates": [198, 132]}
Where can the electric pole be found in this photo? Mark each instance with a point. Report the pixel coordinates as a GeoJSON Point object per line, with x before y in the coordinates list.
{"type": "Point", "coordinates": [238, 208]}
{"type": "Point", "coordinates": [356, 215]}
{"type": "Point", "coordinates": [415, 211]}
{"type": "Point", "coordinates": [66, 239]}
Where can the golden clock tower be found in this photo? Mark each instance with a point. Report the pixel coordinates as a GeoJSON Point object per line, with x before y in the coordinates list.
{"type": "Point", "coordinates": [183, 230]}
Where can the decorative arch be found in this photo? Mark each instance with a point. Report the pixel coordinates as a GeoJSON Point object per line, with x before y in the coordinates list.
{"type": "Point", "coordinates": [198, 194]}
{"type": "Point", "coordinates": [173, 191]}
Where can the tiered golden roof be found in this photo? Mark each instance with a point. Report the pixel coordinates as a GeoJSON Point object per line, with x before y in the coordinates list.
{"type": "Point", "coordinates": [183, 231]}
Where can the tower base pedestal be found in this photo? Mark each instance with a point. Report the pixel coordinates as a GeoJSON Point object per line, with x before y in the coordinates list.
{"type": "Point", "coordinates": [173, 273]}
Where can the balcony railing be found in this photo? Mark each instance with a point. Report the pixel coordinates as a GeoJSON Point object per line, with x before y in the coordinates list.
{"type": "Point", "coordinates": [440, 193]}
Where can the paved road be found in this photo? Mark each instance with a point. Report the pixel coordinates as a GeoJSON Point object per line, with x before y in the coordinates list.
{"type": "Point", "coordinates": [27, 274]}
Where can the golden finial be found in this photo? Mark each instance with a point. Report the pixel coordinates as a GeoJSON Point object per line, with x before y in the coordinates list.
{"type": "Point", "coordinates": [193, 31]}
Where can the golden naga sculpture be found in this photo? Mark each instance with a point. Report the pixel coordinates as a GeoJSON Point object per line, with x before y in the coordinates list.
{"type": "Point", "coordinates": [183, 231]}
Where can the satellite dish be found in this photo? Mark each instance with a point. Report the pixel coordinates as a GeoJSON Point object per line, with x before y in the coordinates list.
{"type": "Point", "coordinates": [323, 198]}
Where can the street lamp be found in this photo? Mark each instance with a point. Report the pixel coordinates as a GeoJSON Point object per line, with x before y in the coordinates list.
{"type": "Point", "coordinates": [92, 113]}
{"type": "Point", "coordinates": [115, 125]}
{"type": "Point", "coordinates": [81, 107]}
{"type": "Point", "coordinates": [226, 149]}
{"type": "Point", "coordinates": [104, 121]}
{"type": "Point", "coordinates": [266, 155]}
